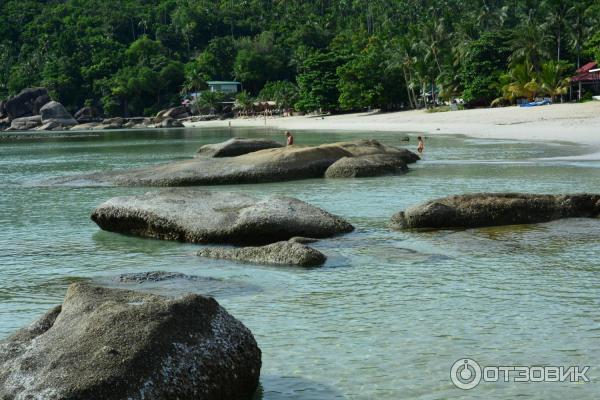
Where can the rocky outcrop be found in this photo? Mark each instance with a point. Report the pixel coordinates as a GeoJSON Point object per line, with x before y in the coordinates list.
{"type": "Point", "coordinates": [25, 123]}
{"type": "Point", "coordinates": [270, 165]}
{"type": "Point", "coordinates": [52, 126]}
{"type": "Point", "coordinates": [86, 127]}
{"type": "Point", "coordinates": [365, 166]}
{"type": "Point", "coordinates": [27, 103]}
{"type": "Point", "coordinates": [155, 276]}
{"type": "Point", "coordinates": [117, 344]}
{"type": "Point", "coordinates": [169, 123]}
{"type": "Point", "coordinates": [216, 217]}
{"type": "Point", "coordinates": [236, 147]}
{"type": "Point", "coordinates": [280, 253]}
{"type": "Point", "coordinates": [87, 115]}
{"type": "Point", "coordinates": [494, 209]}
{"type": "Point", "coordinates": [55, 112]}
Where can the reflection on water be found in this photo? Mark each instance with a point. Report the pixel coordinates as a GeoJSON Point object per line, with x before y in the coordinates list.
{"type": "Point", "coordinates": [387, 315]}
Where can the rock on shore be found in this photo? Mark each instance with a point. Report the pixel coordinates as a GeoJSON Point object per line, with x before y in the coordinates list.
{"type": "Point", "coordinates": [280, 253]}
{"type": "Point", "coordinates": [237, 147]}
{"type": "Point", "coordinates": [270, 165]}
{"type": "Point", "coordinates": [114, 344]}
{"type": "Point", "coordinates": [216, 217]}
{"type": "Point", "coordinates": [494, 209]}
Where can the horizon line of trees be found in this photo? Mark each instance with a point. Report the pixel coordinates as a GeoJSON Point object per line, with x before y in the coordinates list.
{"type": "Point", "coordinates": [135, 57]}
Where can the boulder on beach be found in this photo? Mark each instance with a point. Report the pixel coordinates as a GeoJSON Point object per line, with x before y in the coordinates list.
{"type": "Point", "coordinates": [197, 216]}
{"type": "Point", "coordinates": [270, 165]}
{"type": "Point", "coordinates": [86, 127]}
{"type": "Point", "coordinates": [52, 126]}
{"type": "Point", "coordinates": [237, 146]}
{"type": "Point", "coordinates": [117, 344]}
{"type": "Point", "coordinates": [494, 209]}
{"type": "Point", "coordinates": [87, 114]}
{"type": "Point", "coordinates": [25, 123]}
{"type": "Point", "coordinates": [170, 123]}
{"type": "Point", "coordinates": [365, 166]}
{"type": "Point", "coordinates": [55, 112]}
{"type": "Point", "coordinates": [280, 253]}
{"type": "Point", "coordinates": [112, 123]}
{"type": "Point", "coordinates": [27, 103]}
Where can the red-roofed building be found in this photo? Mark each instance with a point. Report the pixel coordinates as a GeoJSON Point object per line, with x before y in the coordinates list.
{"type": "Point", "coordinates": [586, 80]}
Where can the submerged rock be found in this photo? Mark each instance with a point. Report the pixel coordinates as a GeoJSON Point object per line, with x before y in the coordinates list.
{"type": "Point", "coordinates": [270, 165]}
{"type": "Point", "coordinates": [216, 217]}
{"type": "Point", "coordinates": [493, 209]}
{"type": "Point", "coordinates": [154, 276]}
{"type": "Point", "coordinates": [280, 253]}
{"type": "Point", "coordinates": [237, 147]}
{"type": "Point", "coordinates": [119, 344]}
{"type": "Point", "coordinates": [365, 166]}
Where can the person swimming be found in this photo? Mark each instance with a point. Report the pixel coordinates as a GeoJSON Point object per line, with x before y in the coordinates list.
{"type": "Point", "coordinates": [290, 138]}
{"type": "Point", "coordinates": [421, 145]}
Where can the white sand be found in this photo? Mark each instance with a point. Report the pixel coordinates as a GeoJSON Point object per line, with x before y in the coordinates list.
{"type": "Point", "coordinates": [559, 122]}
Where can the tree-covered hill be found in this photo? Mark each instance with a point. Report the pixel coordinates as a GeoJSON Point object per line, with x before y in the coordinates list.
{"type": "Point", "coordinates": [137, 56]}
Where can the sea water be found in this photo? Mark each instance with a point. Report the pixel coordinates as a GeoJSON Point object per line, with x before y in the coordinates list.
{"type": "Point", "coordinates": [388, 314]}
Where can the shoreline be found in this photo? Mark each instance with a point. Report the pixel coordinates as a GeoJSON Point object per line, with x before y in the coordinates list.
{"type": "Point", "coordinates": [577, 123]}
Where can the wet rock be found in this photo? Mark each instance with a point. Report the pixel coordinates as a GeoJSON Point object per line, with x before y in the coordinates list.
{"type": "Point", "coordinates": [237, 147]}
{"type": "Point", "coordinates": [280, 253]}
{"type": "Point", "coordinates": [494, 209]}
{"type": "Point", "coordinates": [270, 165]}
{"type": "Point", "coordinates": [216, 217]}
{"type": "Point", "coordinates": [27, 103]}
{"type": "Point", "coordinates": [119, 344]}
{"type": "Point", "coordinates": [365, 166]}
{"type": "Point", "coordinates": [25, 123]}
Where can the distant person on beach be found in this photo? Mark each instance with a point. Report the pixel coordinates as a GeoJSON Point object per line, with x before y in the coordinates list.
{"type": "Point", "coordinates": [421, 145]}
{"type": "Point", "coordinates": [289, 138]}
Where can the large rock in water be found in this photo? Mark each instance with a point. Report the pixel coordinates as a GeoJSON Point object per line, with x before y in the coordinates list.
{"type": "Point", "coordinates": [57, 113]}
{"type": "Point", "coordinates": [365, 166]}
{"type": "Point", "coordinates": [270, 165]}
{"type": "Point", "coordinates": [237, 146]}
{"type": "Point", "coordinates": [114, 344]}
{"type": "Point", "coordinates": [27, 103]}
{"type": "Point", "coordinates": [216, 217]}
{"type": "Point", "coordinates": [280, 253]}
{"type": "Point", "coordinates": [493, 209]}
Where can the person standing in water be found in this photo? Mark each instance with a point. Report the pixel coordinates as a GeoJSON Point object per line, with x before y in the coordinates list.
{"type": "Point", "coordinates": [421, 145]}
{"type": "Point", "coordinates": [289, 138]}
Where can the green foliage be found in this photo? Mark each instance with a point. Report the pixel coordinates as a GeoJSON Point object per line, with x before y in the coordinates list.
{"type": "Point", "coordinates": [210, 101]}
{"type": "Point", "coordinates": [137, 56]}
{"type": "Point", "coordinates": [284, 93]}
{"type": "Point", "coordinates": [485, 61]}
{"type": "Point", "coordinates": [317, 82]}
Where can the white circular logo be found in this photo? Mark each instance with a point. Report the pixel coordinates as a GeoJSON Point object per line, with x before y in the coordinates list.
{"type": "Point", "coordinates": [465, 373]}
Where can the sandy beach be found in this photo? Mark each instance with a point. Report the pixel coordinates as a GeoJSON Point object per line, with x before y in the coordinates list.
{"type": "Point", "coordinates": [558, 122]}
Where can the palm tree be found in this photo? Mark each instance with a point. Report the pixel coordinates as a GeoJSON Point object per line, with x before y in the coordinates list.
{"type": "Point", "coordinates": [521, 81]}
{"type": "Point", "coordinates": [554, 80]}
{"type": "Point", "coordinates": [530, 44]}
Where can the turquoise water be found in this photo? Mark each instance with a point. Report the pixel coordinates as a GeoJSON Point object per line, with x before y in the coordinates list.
{"type": "Point", "coordinates": [388, 314]}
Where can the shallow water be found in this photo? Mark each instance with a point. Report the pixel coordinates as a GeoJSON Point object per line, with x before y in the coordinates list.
{"type": "Point", "coordinates": [388, 314]}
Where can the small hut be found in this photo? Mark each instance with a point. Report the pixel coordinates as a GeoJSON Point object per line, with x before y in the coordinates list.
{"type": "Point", "coordinates": [586, 80]}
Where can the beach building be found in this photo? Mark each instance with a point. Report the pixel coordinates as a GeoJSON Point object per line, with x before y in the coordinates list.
{"type": "Point", "coordinates": [587, 79]}
{"type": "Point", "coordinates": [228, 87]}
